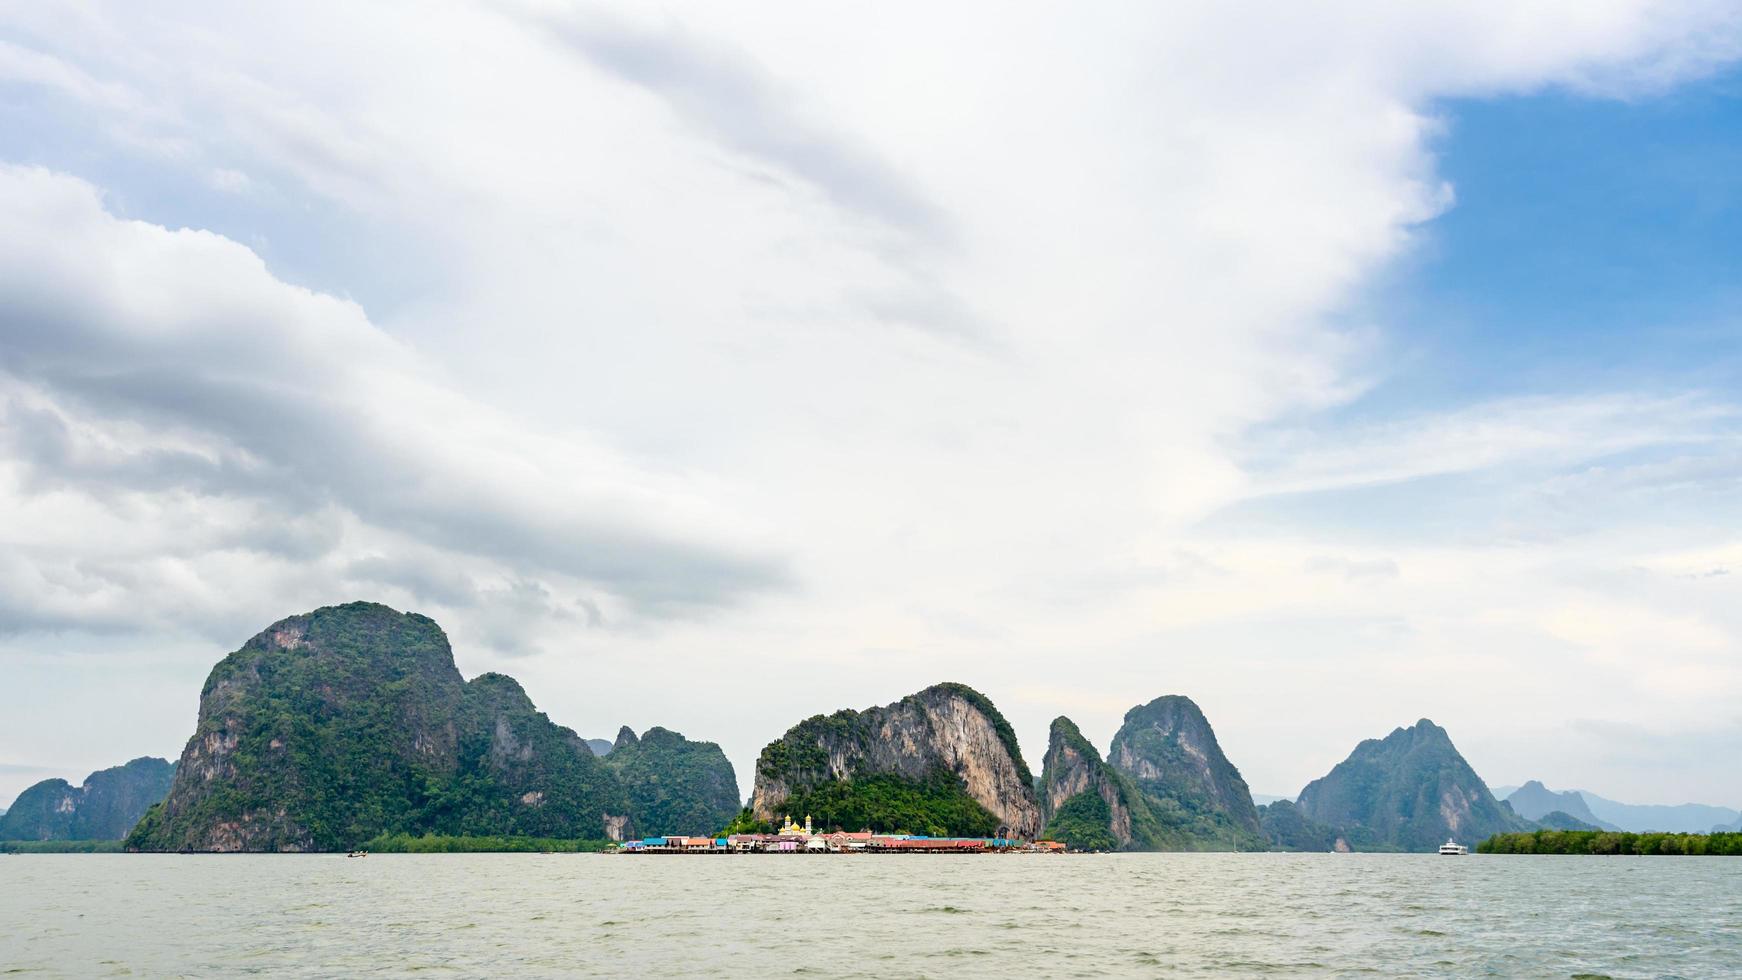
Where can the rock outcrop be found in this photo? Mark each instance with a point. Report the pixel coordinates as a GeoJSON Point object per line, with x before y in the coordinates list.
{"type": "Point", "coordinates": [1169, 750]}
{"type": "Point", "coordinates": [1410, 791]}
{"type": "Point", "coordinates": [1088, 804]}
{"type": "Point", "coordinates": [334, 726]}
{"type": "Point", "coordinates": [105, 807]}
{"type": "Point", "coordinates": [675, 786]}
{"type": "Point", "coordinates": [942, 761]}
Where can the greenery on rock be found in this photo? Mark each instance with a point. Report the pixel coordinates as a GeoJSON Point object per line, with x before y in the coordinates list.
{"type": "Point", "coordinates": [1072, 763]}
{"type": "Point", "coordinates": [339, 725]}
{"type": "Point", "coordinates": [675, 786]}
{"type": "Point", "coordinates": [105, 807]}
{"type": "Point", "coordinates": [1612, 843]}
{"type": "Point", "coordinates": [1081, 822]}
{"type": "Point", "coordinates": [1408, 792]}
{"type": "Point", "coordinates": [936, 806]}
{"type": "Point", "coordinates": [1195, 796]}
{"type": "Point", "coordinates": [893, 769]}
{"type": "Point", "coordinates": [745, 822]}
{"type": "Point", "coordinates": [984, 705]}
{"type": "Point", "coordinates": [1285, 828]}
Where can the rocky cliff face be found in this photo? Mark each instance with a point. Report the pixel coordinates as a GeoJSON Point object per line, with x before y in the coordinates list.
{"type": "Point", "coordinates": [943, 760]}
{"type": "Point", "coordinates": [105, 807]}
{"type": "Point", "coordinates": [1169, 750]}
{"type": "Point", "coordinates": [1089, 804]}
{"type": "Point", "coordinates": [1409, 791]}
{"type": "Point", "coordinates": [675, 786]}
{"type": "Point", "coordinates": [333, 726]}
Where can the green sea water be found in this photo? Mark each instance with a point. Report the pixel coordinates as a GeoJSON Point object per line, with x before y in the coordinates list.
{"type": "Point", "coordinates": [1190, 915]}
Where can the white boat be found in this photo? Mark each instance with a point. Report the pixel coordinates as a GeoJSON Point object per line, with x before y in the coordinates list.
{"type": "Point", "coordinates": [1452, 848]}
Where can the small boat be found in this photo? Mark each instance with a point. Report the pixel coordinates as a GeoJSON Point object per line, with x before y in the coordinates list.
{"type": "Point", "coordinates": [358, 854]}
{"type": "Point", "coordinates": [1452, 848]}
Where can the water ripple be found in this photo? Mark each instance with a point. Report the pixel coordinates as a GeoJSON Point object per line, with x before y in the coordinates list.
{"type": "Point", "coordinates": [1186, 915]}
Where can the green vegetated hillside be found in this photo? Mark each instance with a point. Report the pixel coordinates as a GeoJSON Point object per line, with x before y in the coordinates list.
{"type": "Point", "coordinates": [1197, 797]}
{"type": "Point", "coordinates": [333, 727]}
{"type": "Point", "coordinates": [940, 762]}
{"type": "Point", "coordinates": [105, 807]}
{"type": "Point", "coordinates": [1090, 805]}
{"type": "Point", "coordinates": [675, 786]}
{"type": "Point", "coordinates": [1410, 791]}
{"type": "Point", "coordinates": [1165, 786]}
{"type": "Point", "coordinates": [1286, 828]}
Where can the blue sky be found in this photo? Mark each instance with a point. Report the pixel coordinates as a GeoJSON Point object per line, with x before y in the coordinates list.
{"type": "Point", "coordinates": [1322, 367]}
{"type": "Point", "coordinates": [1594, 239]}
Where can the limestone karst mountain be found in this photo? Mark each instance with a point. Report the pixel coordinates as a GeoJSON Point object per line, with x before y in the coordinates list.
{"type": "Point", "coordinates": [1197, 796]}
{"type": "Point", "coordinates": [1409, 791]}
{"type": "Point", "coordinates": [1088, 804]}
{"type": "Point", "coordinates": [942, 761]}
{"type": "Point", "coordinates": [334, 726]}
{"type": "Point", "coordinates": [674, 785]}
{"type": "Point", "coordinates": [104, 807]}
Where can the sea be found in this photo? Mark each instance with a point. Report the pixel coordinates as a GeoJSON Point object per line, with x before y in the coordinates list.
{"type": "Point", "coordinates": [945, 916]}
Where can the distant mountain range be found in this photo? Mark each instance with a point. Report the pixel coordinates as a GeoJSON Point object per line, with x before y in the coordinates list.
{"type": "Point", "coordinates": [1533, 800]}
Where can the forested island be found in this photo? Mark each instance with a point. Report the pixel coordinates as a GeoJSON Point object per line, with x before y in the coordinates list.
{"type": "Point", "coordinates": [1612, 843]}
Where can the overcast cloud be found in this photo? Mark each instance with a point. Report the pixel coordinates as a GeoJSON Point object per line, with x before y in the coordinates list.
{"type": "Point", "coordinates": [830, 352]}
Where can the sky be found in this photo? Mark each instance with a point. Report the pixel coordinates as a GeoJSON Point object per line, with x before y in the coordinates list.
{"type": "Point", "coordinates": [712, 368]}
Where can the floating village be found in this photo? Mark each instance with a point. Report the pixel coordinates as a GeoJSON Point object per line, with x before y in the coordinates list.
{"type": "Point", "coordinates": [793, 838]}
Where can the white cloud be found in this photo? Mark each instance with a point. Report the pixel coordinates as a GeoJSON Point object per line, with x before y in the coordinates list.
{"type": "Point", "coordinates": [956, 322]}
{"type": "Point", "coordinates": [169, 405]}
{"type": "Point", "coordinates": [1544, 432]}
